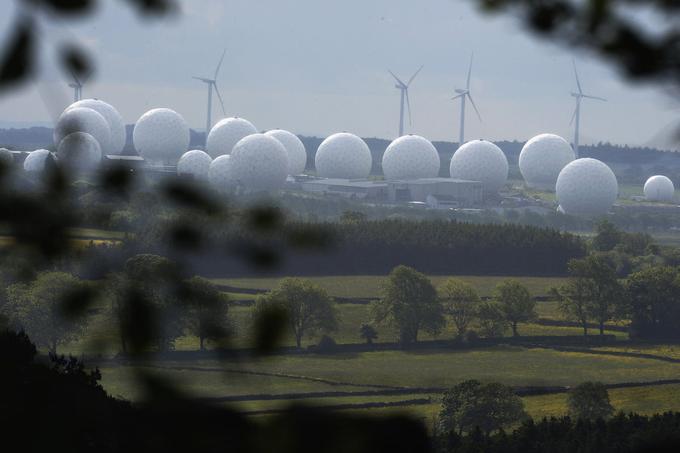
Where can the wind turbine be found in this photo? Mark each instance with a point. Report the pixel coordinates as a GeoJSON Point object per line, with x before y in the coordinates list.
{"type": "Point", "coordinates": [577, 112]}
{"type": "Point", "coordinates": [464, 93]}
{"type": "Point", "coordinates": [77, 86]}
{"type": "Point", "coordinates": [212, 83]}
{"type": "Point", "coordinates": [403, 87]}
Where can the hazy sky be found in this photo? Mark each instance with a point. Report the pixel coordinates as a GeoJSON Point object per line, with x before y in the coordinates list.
{"type": "Point", "coordinates": [319, 66]}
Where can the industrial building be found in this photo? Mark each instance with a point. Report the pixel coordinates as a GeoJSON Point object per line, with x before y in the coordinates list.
{"type": "Point", "coordinates": [442, 192]}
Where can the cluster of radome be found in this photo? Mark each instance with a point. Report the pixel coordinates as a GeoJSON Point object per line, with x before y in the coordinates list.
{"type": "Point", "coordinates": [84, 132]}
{"type": "Point", "coordinates": [237, 156]}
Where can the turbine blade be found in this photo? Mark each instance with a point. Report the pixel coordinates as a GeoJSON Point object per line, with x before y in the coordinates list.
{"type": "Point", "coordinates": [458, 96]}
{"type": "Point", "coordinates": [578, 82]}
{"type": "Point", "coordinates": [219, 96]}
{"type": "Point", "coordinates": [414, 75]}
{"type": "Point", "coordinates": [202, 79]}
{"type": "Point", "coordinates": [397, 78]}
{"type": "Point", "coordinates": [475, 107]}
{"type": "Point", "coordinates": [469, 71]}
{"type": "Point", "coordinates": [408, 105]}
{"type": "Point", "coordinates": [219, 65]}
{"type": "Point", "coordinates": [594, 97]}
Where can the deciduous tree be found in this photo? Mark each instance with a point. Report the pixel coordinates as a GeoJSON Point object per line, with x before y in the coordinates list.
{"type": "Point", "coordinates": [461, 303]}
{"type": "Point", "coordinates": [589, 401]}
{"type": "Point", "coordinates": [409, 302]}
{"type": "Point", "coordinates": [516, 303]}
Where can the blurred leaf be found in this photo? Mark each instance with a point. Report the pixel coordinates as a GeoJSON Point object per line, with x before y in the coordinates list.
{"type": "Point", "coordinates": [268, 328]}
{"type": "Point", "coordinates": [75, 61]}
{"type": "Point", "coordinates": [76, 301]}
{"type": "Point", "coordinates": [190, 196]}
{"type": "Point", "coordinates": [155, 7]}
{"type": "Point", "coordinates": [65, 7]}
{"type": "Point", "coordinates": [264, 218]}
{"type": "Point", "coordinates": [17, 63]}
{"type": "Point", "coordinates": [310, 237]}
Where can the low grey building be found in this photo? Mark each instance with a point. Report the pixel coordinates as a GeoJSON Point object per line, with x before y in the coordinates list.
{"type": "Point", "coordinates": [457, 192]}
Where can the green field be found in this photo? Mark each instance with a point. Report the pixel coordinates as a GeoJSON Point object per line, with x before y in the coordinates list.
{"type": "Point", "coordinates": [370, 285]}
{"type": "Point", "coordinates": [306, 373]}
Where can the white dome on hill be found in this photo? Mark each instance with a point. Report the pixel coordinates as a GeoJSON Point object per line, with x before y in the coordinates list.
{"type": "Point", "coordinates": [410, 157]}
{"type": "Point", "coordinates": [586, 187]}
{"type": "Point", "coordinates": [35, 161]}
{"type": "Point", "coordinates": [6, 157]}
{"type": "Point", "coordinates": [345, 156]}
{"type": "Point", "coordinates": [83, 119]}
{"type": "Point", "coordinates": [542, 158]}
{"type": "Point", "coordinates": [226, 134]}
{"type": "Point", "coordinates": [114, 120]}
{"type": "Point", "coordinates": [259, 162]}
{"type": "Point", "coordinates": [161, 135]}
{"type": "Point", "coordinates": [297, 154]}
{"type": "Point", "coordinates": [659, 188]}
{"type": "Point", "coordinates": [194, 163]}
{"type": "Point", "coordinates": [79, 153]}
{"type": "Point", "coordinates": [480, 160]}
{"type": "Point", "coordinates": [219, 174]}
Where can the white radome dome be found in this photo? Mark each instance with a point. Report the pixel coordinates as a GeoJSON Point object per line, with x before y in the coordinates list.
{"type": "Point", "coordinates": [480, 160]}
{"type": "Point", "coordinates": [83, 119]}
{"type": "Point", "coordinates": [659, 188]}
{"type": "Point", "coordinates": [587, 187]}
{"type": "Point", "coordinates": [410, 157]}
{"type": "Point", "coordinates": [6, 157]}
{"type": "Point", "coordinates": [259, 162]}
{"type": "Point", "coordinates": [345, 156]}
{"type": "Point", "coordinates": [226, 134]}
{"type": "Point", "coordinates": [219, 174]}
{"type": "Point", "coordinates": [194, 163]}
{"type": "Point", "coordinates": [113, 118]}
{"type": "Point", "coordinates": [79, 153]}
{"type": "Point", "coordinates": [35, 161]}
{"type": "Point", "coordinates": [297, 154]}
{"type": "Point", "coordinates": [161, 135]}
{"type": "Point", "coordinates": [542, 158]}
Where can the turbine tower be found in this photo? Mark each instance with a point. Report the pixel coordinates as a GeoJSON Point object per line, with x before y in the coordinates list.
{"type": "Point", "coordinates": [577, 112]}
{"type": "Point", "coordinates": [464, 93]}
{"type": "Point", "coordinates": [77, 86]}
{"type": "Point", "coordinates": [403, 87]}
{"type": "Point", "coordinates": [212, 83]}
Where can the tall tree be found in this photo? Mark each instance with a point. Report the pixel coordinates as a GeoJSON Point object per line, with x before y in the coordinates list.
{"type": "Point", "coordinates": [607, 236]}
{"type": "Point", "coordinates": [153, 283]}
{"type": "Point", "coordinates": [573, 298]}
{"type": "Point", "coordinates": [308, 307]}
{"type": "Point", "coordinates": [604, 293]}
{"type": "Point", "coordinates": [516, 303]}
{"type": "Point", "coordinates": [471, 404]}
{"type": "Point", "coordinates": [39, 308]}
{"type": "Point", "coordinates": [207, 310]}
{"type": "Point", "coordinates": [589, 401]}
{"type": "Point", "coordinates": [654, 297]}
{"type": "Point", "coordinates": [461, 303]}
{"type": "Point", "coordinates": [409, 302]}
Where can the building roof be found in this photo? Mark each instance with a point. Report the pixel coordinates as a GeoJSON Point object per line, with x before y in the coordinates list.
{"type": "Point", "coordinates": [358, 183]}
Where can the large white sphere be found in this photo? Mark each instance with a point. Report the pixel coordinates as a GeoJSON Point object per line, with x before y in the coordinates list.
{"type": "Point", "coordinates": [659, 188]}
{"type": "Point", "coordinates": [113, 119]}
{"type": "Point", "coordinates": [195, 163]}
{"type": "Point", "coordinates": [586, 186]}
{"type": "Point", "coordinates": [83, 119]}
{"type": "Point", "coordinates": [79, 153]}
{"type": "Point", "coordinates": [161, 135]}
{"type": "Point", "coordinates": [344, 156]}
{"type": "Point", "coordinates": [6, 157]}
{"type": "Point", "coordinates": [297, 154]}
{"type": "Point", "coordinates": [35, 161]}
{"type": "Point", "coordinates": [226, 134]}
{"type": "Point", "coordinates": [542, 158]}
{"type": "Point", "coordinates": [480, 160]}
{"type": "Point", "coordinates": [410, 157]}
{"type": "Point", "coordinates": [259, 162]}
{"type": "Point", "coordinates": [219, 174]}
